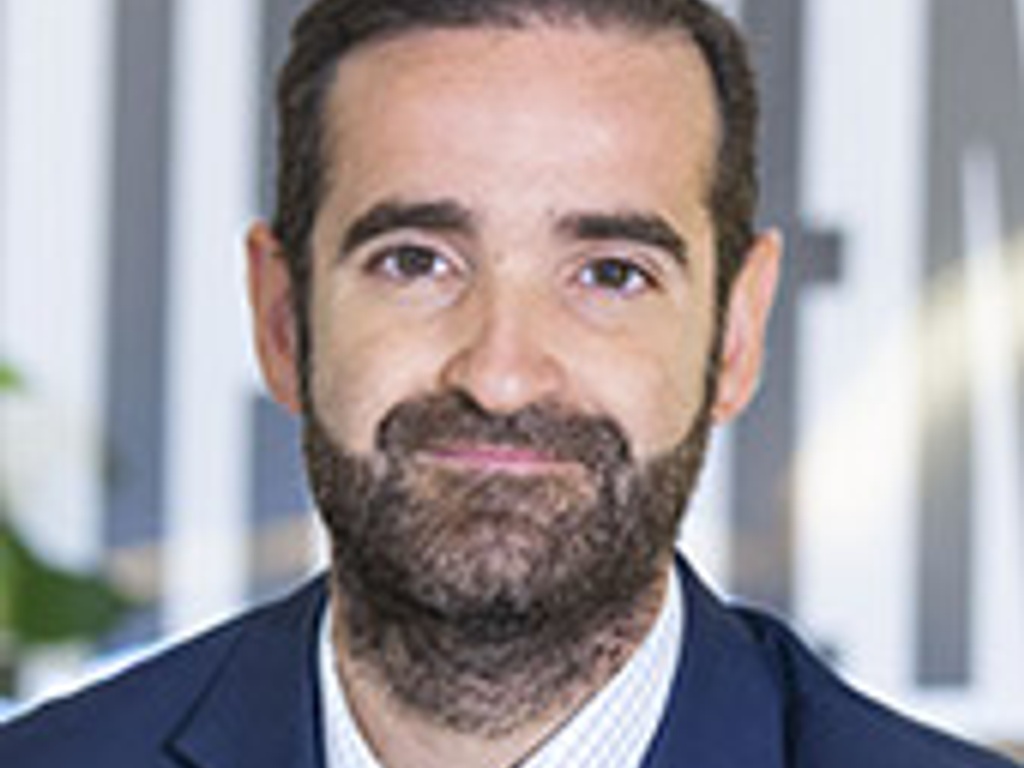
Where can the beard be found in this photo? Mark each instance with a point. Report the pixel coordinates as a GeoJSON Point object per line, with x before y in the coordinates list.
{"type": "Point", "coordinates": [481, 597]}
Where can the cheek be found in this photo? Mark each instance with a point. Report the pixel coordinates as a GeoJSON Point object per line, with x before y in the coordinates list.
{"type": "Point", "coordinates": [661, 414]}
{"type": "Point", "coordinates": [360, 371]}
{"type": "Point", "coordinates": [654, 388]}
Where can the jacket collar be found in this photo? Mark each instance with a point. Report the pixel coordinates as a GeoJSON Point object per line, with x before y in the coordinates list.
{"type": "Point", "coordinates": [726, 710]}
{"type": "Point", "coordinates": [261, 709]}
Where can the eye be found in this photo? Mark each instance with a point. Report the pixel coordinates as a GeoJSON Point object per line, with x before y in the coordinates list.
{"type": "Point", "coordinates": [408, 263]}
{"type": "Point", "coordinates": [616, 275]}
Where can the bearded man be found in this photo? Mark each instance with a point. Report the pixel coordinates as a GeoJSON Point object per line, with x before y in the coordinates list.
{"type": "Point", "coordinates": [511, 285]}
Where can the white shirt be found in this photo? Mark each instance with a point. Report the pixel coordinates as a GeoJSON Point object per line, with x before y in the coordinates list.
{"type": "Point", "coordinates": [612, 730]}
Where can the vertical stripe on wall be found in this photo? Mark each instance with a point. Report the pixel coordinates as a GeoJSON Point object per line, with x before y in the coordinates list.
{"type": "Point", "coordinates": [53, 185]}
{"type": "Point", "coordinates": [279, 504]}
{"type": "Point", "coordinates": [277, 19]}
{"type": "Point", "coordinates": [137, 323]}
{"type": "Point", "coordinates": [211, 202]}
{"type": "Point", "coordinates": [765, 438]}
{"type": "Point", "coordinates": [4, 75]}
{"type": "Point", "coordinates": [977, 106]}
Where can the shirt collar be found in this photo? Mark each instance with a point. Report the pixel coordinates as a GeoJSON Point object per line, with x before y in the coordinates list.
{"type": "Point", "coordinates": [612, 730]}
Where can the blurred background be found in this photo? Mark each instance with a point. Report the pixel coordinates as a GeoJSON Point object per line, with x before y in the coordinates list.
{"type": "Point", "coordinates": [875, 495]}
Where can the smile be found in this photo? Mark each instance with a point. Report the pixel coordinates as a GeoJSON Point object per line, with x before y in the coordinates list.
{"type": "Point", "coordinates": [489, 457]}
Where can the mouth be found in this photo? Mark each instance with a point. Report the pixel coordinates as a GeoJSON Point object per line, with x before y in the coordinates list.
{"type": "Point", "coordinates": [498, 458]}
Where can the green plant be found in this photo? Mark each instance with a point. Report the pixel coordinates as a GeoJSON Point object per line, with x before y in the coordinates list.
{"type": "Point", "coordinates": [41, 604]}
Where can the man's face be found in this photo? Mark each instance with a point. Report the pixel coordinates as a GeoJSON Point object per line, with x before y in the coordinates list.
{"type": "Point", "coordinates": [520, 216]}
{"type": "Point", "coordinates": [511, 320]}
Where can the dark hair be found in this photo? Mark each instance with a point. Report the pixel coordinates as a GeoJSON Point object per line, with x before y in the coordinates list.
{"type": "Point", "coordinates": [329, 29]}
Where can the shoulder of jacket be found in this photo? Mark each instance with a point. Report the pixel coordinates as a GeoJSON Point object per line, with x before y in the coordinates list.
{"type": "Point", "coordinates": [828, 717]}
{"type": "Point", "coordinates": [139, 703]}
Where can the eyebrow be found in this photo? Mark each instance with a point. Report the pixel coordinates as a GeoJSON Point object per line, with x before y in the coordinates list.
{"type": "Point", "coordinates": [445, 216]}
{"type": "Point", "coordinates": [451, 217]}
{"type": "Point", "coordinates": [631, 226]}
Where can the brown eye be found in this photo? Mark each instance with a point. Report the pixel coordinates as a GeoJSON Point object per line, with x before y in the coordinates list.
{"type": "Point", "coordinates": [616, 275]}
{"type": "Point", "coordinates": [410, 262]}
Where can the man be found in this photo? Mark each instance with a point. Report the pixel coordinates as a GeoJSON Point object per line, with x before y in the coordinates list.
{"type": "Point", "coordinates": [511, 285]}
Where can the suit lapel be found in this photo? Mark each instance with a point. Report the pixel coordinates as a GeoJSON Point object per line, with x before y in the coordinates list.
{"type": "Point", "coordinates": [261, 709]}
{"type": "Point", "coordinates": [725, 710]}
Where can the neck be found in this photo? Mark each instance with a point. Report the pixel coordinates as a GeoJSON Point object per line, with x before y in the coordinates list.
{"type": "Point", "coordinates": [429, 697]}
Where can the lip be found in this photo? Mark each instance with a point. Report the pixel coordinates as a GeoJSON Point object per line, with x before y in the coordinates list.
{"type": "Point", "coordinates": [511, 459]}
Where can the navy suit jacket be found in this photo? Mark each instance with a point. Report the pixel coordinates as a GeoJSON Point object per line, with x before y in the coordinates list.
{"type": "Point", "coordinates": [746, 694]}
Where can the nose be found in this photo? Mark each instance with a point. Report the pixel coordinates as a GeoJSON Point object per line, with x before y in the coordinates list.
{"type": "Point", "coordinates": [503, 359]}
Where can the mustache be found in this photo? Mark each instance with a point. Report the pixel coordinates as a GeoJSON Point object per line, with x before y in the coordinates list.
{"type": "Point", "coordinates": [450, 418]}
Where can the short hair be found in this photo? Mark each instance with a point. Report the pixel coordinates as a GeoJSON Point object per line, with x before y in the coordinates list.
{"type": "Point", "coordinates": [329, 29]}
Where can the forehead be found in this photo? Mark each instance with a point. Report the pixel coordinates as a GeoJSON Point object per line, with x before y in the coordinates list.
{"type": "Point", "coordinates": [548, 100]}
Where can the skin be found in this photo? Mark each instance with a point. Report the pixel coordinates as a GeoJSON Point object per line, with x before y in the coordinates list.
{"type": "Point", "coordinates": [513, 136]}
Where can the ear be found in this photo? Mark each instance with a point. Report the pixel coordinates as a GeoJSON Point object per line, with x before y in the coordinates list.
{"type": "Point", "coordinates": [746, 324]}
{"type": "Point", "coordinates": [273, 315]}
